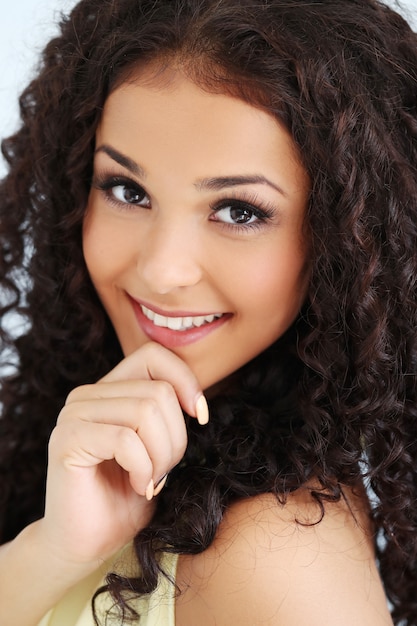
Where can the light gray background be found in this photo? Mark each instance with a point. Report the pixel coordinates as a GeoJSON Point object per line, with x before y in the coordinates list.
{"type": "Point", "coordinates": [24, 29]}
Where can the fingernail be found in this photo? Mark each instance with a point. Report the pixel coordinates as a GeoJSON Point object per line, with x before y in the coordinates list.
{"type": "Point", "coordinates": [149, 491]}
{"type": "Point", "coordinates": [160, 485]}
{"type": "Point", "coordinates": [202, 412]}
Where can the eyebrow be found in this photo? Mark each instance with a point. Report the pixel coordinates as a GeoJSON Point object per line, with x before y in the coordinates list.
{"type": "Point", "coordinates": [216, 183]}
{"type": "Point", "coordinates": [122, 160]}
{"type": "Point", "coordinates": [221, 182]}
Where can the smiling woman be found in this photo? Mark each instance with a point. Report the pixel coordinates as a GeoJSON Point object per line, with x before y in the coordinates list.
{"type": "Point", "coordinates": [187, 214]}
{"type": "Point", "coordinates": [212, 418]}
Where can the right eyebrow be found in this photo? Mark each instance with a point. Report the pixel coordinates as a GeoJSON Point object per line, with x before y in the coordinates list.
{"type": "Point", "coordinates": [122, 160]}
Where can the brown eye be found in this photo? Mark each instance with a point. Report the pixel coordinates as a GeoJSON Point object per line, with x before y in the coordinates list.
{"type": "Point", "coordinates": [128, 194]}
{"type": "Point", "coordinates": [238, 213]}
{"type": "Point", "coordinates": [241, 215]}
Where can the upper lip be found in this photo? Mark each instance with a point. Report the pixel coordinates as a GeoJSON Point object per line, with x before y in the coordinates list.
{"type": "Point", "coordinates": [175, 313]}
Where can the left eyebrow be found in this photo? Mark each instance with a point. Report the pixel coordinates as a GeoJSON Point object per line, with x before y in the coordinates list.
{"type": "Point", "coordinates": [217, 183]}
{"type": "Point", "coordinates": [222, 182]}
{"type": "Point", "coordinates": [122, 160]}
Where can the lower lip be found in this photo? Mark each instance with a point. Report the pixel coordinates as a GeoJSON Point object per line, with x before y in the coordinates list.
{"type": "Point", "coordinates": [175, 338]}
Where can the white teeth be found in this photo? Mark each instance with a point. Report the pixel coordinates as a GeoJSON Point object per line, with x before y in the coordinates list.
{"type": "Point", "coordinates": [159, 320]}
{"type": "Point", "coordinates": [174, 323]}
{"type": "Point", "coordinates": [199, 321]}
{"type": "Point", "coordinates": [149, 314]}
{"type": "Point", "coordinates": [178, 323]}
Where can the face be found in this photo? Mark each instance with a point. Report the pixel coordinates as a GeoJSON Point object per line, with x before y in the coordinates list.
{"type": "Point", "coordinates": [193, 230]}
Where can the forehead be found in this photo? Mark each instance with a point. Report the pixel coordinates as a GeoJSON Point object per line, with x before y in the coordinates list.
{"type": "Point", "coordinates": [166, 90]}
{"type": "Point", "coordinates": [165, 109]}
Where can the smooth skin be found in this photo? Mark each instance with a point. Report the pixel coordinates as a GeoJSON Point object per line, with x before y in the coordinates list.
{"type": "Point", "coordinates": [111, 439]}
{"type": "Point", "coordinates": [197, 207]}
{"type": "Point", "coordinates": [265, 569]}
{"type": "Point", "coordinates": [171, 223]}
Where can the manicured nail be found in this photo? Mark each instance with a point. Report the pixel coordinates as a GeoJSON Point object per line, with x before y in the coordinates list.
{"type": "Point", "coordinates": [160, 485]}
{"type": "Point", "coordinates": [149, 491]}
{"type": "Point", "coordinates": [202, 412]}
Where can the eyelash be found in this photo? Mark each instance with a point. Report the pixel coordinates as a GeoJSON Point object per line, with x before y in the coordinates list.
{"type": "Point", "coordinates": [250, 203]}
{"type": "Point", "coordinates": [106, 184]}
{"type": "Point", "coordinates": [246, 202]}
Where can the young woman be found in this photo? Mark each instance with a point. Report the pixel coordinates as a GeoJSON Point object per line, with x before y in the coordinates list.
{"type": "Point", "coordinates": [209, 230]}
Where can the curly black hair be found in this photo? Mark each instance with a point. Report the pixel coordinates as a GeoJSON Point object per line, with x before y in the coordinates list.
{"type": "Point", "coordinates": [335, 398]}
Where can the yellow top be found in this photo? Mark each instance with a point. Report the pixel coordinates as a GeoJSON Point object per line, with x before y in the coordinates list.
{"type": "Point", "coordinates": [155, 609]}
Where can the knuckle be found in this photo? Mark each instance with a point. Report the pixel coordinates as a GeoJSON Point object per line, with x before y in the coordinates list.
{"type": "Point", "coordinates": [126, 437]}
{"type": "Point", "coordinates": [165, 391]}
{"type": "Point", "coordinates": [54, 438]}
{"type": "Point", "coordinates": [152, 348]}
{"type": "Point", "coordinates": [178, 451]}
{"type": "Point", "coordinates": [65, 414]}
{"type": "Point", "coordinates": [61, 438]}
{"type": "Point", "coordinates": [76, 394]}
{"type": "Point", "coordinates": [178, 445]}
{"type": "Point", "coordinates": [149, 407]}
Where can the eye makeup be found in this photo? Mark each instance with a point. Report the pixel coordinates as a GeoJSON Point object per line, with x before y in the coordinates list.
{"type": "Point", "coordinates": [240, 212]}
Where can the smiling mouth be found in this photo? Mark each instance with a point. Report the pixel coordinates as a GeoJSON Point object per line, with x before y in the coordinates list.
{"type": "Point", "coordinates": [179, 323]}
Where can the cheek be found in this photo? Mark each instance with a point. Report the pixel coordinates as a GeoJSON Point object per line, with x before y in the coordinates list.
{"type": "Point", "coordinates": [105, 248]}
{"type": "Point", "coordinates": [276, 278]}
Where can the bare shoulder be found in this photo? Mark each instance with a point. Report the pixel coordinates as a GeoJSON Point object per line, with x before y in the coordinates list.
{"type": "Point", "coordinates": [275, 564]}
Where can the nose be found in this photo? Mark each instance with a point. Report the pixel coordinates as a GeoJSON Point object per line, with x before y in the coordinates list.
{"type": "Point", "coordinates": [169, 258]}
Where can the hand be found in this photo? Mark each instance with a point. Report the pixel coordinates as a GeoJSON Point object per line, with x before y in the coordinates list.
{"type": "Point", "coordinates": [113, 441]}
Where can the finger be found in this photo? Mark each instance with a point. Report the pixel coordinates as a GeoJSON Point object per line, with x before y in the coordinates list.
{"type": "Point", "coordinates": [130, 403]}
{"type": "Point", "coordinates": [87, 446]}
{"type": "Point", "coordinates": [154, 362]}
{"type": "Point", "coordinates": [129, 388]}
{"type": "Point", "coordinates": [162, 432]}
